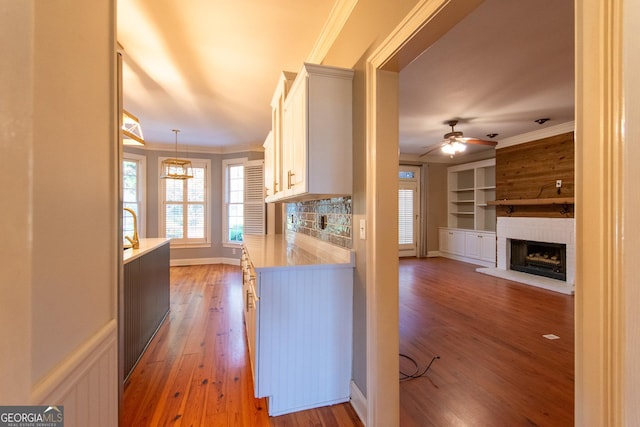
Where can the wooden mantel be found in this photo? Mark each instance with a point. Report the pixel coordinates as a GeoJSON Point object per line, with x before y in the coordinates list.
{"type": "Point", "coordinates": [533, 202]}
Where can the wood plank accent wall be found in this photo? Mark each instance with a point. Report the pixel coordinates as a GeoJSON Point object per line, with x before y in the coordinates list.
{"type": "Point", "coordinates": [530, 171]}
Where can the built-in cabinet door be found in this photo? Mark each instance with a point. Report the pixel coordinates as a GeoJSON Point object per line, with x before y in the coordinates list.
{"type": "Point", "coordinates": [473, 245]}
{"type": "Point", "coordinates": [452, 241]}
{"type": "Point", "coordinates": [488, 247]}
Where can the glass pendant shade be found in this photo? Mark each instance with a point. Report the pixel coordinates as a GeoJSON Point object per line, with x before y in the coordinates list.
{"type": "Point", "coordinates": [176, 168]}
{"type": "Point", "coordinates": [131, 130]}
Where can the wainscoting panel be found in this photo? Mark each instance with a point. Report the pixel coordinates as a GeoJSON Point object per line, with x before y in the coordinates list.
{"type": "Point", "coordinates": [305, 337]}
{"type": "Point", "coordinates": [86, 383]}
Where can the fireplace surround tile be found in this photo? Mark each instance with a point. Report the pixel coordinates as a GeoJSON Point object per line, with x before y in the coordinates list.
{"type": "Point", "coordinates": [551, 230]}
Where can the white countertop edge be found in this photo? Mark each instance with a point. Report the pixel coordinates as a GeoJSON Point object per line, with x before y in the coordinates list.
{"type": "Point", "coordinates": [275, 252]}
{"type": "Point", "coordinates": [146, 245]}
{"type": "Point", "coordinates": [302, 267]}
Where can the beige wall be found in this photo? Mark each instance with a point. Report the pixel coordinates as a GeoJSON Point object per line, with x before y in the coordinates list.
{"type": "Point", "coordinates": [631, 195]}
{"type": "Point", "coordinates": [16, 141]}
{"type": "Point", "coordinates": [436, 203]}
{"type": "Point", "coordinates": [58, 125]}
{"type": "Point", "coordinates": [368, 25]}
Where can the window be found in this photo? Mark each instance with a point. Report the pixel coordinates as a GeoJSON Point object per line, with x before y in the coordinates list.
{"type": "Point", "coordinates": [184, 207]}
{"type": "Point", "coordinates": [408, 210]}
{"type": "Point", "coordinates": [133, 196]}
{"type": "Point", "coordinates": [405, 215]}
{"type": "Point", "coordinates": [243, 211]}
{"type": "Point", "coordinates": [235, 203]}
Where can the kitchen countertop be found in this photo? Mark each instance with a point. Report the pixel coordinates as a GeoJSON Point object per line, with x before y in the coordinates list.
{"type": "Point", "coordinates": [146, 245]}
{"type": "Point", "coordinates": [295, 250]}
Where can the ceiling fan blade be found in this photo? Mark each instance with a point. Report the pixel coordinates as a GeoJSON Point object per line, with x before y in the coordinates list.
{"type": "Point", "coordinates": [431, 150]}
{"type": "Point", "coordinates": [479, 141]}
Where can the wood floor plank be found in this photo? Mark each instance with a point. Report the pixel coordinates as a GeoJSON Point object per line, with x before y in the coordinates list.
{"type": "Point", "coordinates": [495, 368]}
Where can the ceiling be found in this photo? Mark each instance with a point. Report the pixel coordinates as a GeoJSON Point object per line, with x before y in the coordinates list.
{"type": "Point", "coordinates": [505, 65]}
{"type": "Point", "coordinates": [209, 68]}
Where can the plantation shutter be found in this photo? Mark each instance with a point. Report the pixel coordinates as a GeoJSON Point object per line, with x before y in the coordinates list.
{"type": "Point", "coordinates": [254, 208]}
{"type": "Point", "coordinates": [405, 216]}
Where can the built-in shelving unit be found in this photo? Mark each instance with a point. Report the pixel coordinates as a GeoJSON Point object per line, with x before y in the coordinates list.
{"type": "Point", "coordinates": [471, 216]}
{"type": "Point", "coordinates": [471, 187]}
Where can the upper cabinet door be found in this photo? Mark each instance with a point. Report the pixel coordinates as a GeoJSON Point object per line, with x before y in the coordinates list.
{"type": "Point", "coordinates": [317, 135]}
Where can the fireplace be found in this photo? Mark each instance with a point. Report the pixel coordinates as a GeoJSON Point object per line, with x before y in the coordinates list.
{"type": "Point", "coordinates": [553, 233]}
{"type": "Point", "coordinates": [540, 258]}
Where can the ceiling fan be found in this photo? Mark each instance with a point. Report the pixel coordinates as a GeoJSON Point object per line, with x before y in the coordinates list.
{"type": "Point", "coordinates": [455, 142]}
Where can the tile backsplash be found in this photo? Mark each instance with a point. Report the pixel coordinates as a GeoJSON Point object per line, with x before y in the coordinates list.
{"type": "Point", "coordinates": [329, 220]}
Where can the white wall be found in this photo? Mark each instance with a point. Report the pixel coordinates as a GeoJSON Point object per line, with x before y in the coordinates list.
{"type": "Point", "coordinates": [59, 220]}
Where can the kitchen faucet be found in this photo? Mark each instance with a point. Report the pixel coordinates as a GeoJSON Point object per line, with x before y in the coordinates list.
{"type": "Point", "coordinates": [135, 242]}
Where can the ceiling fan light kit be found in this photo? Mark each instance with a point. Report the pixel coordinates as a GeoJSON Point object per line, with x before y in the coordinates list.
{"type": "Point", "coordinates": [454, 142]}
{"type": "Point", "coordinates": [454, 147]}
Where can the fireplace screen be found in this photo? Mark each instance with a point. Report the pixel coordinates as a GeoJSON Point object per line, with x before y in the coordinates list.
{"type": "Point", "coordinates": [542, 259]}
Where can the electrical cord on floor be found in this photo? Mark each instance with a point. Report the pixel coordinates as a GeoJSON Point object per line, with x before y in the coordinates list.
{"type": "Point", "coordinates": [416, 374]}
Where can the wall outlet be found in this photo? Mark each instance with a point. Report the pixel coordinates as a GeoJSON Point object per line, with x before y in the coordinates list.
{"type": "Point", "coordinates": [363, 229]}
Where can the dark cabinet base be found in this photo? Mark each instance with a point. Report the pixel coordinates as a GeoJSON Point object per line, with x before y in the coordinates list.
{"type": "Point", "coordinates": [146, 302]}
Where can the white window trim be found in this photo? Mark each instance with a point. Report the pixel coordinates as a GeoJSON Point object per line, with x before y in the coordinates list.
{"type": "Point", "coordinates": [141, 190]}
{"type": "Point", "coordinates": [225, 199]}
{"type": "Point", "coordinates": [187, 243]}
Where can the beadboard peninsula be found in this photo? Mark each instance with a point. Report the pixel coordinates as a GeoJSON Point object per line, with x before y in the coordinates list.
{"type": "Point", "coordinates": [297, 293]}
{"type": "Point", "coordinates": [145, 296]}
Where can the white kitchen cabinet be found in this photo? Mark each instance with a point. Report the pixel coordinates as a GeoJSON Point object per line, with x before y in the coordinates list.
{"type": "Point", "coordinates": [273, 157]}
{"type": "Point", "coordinates": [317, 135]}
{"type": "Point", "coordinates": [298, 302]}
{"type": "Point", "coordinates": [476, 247]}
{"type": "Point", "coordinates": [269, 166]}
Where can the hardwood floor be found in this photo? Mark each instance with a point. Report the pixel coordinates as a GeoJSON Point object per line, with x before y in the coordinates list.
{"type": "Point", "coordinates": [196, 370]}
{"type": "Point", "coordinates": [495, 368]}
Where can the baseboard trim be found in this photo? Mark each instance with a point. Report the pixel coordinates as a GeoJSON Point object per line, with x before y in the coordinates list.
{"type": "Point", "coordinates": [468, 260]}
{"type": "Point", "coordinates": [359, 403]}
{"type": "Point", "coordinates": [433, 254]}
{"type": "Point", "coordinates": [203, 261]}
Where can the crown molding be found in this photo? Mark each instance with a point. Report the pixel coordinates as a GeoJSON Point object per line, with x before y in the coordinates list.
{"type": "Point", "coordinates": [331, 30]}
{"type": "Point", "coordinates": [537, 134]}
{"type": "Point", "coordinates": [201, 149]}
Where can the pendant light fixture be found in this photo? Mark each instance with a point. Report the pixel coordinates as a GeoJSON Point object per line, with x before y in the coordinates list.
{"type": "Point", "coordinates": [131, 130]}
{"type": "Point", "coordinates": [176, 168]}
